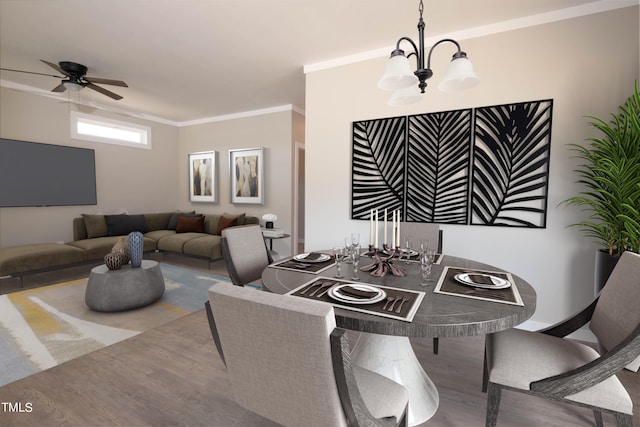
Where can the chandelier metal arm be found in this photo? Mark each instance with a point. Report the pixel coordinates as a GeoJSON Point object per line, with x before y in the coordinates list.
{"type": "Point", "coordinates": [458, 54]}
{"type": "Point", "coordinates": [397, 76]}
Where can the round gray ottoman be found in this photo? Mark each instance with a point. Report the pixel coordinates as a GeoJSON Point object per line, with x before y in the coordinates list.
{"type": "Point", "coordinates": [124, 289]}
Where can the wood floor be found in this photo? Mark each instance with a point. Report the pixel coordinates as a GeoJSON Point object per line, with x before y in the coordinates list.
{"type": "Point", "coordinates": [172, 375]}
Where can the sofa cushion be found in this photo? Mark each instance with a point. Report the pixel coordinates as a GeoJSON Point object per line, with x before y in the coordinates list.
{"type": "Point", "coordinates": [158, 234]}
{"type": "Point", "coordinates": [157, 221]}
{"type": "Point", "coordinates": [225, 222]}
{"type": "Point", "coordinates": [22, 258]}
{"type": "Point", "coordinates": [96, 225]}
{"type": "Point", "coordinates": [186, 224]}
{"type": "Point", "coordinates": [206, 246]}
{"type": "Point", "coordinates": [175, 242]}
{"type": "Point", "coordinates": [120, 225]}
{"type": "Point", "coordinates": [98, 247]}
{"type": "Point", "coordinates": [173, 222]}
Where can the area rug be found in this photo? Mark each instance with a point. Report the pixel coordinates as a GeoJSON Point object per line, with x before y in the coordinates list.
{"type": "Point", "coordinates": [43, 327]}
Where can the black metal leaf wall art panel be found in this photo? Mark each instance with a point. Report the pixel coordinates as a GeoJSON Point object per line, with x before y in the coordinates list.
{"type": "Point", "coordinates": [438, 161]}
{"type": "Point", "coordinates": [511, 164]}
{"type": "Point", "coordinates": [486, 166]}
{"type": "Point", "coordinates": [378, 165]}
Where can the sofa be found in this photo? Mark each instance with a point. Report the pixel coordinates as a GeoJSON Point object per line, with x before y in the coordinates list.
{"type": "Point", "coordinates": [186, 233]}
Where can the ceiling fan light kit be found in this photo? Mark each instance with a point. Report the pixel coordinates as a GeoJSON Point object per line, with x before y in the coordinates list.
{"type": "Point", "coordinates": [76, 78]}
{"type": "Point", "coordinates": [408, 85]}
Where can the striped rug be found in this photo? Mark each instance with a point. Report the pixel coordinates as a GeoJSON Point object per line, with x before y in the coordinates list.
{"type": "Point", "coordinates": [46, 326]}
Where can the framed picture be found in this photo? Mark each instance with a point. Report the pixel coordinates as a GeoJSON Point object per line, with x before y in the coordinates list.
{"type": "Point", "coordinates": [202, 176]}
{"type": "Point", "coordinates": [246, 175]}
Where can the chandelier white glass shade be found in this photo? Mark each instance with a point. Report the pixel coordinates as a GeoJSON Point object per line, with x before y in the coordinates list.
{"type": "Point", "coordinates": [398, 76]}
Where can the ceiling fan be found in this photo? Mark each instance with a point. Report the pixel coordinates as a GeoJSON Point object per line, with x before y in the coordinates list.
{"type": "Point", "coordinates": [75, 78]}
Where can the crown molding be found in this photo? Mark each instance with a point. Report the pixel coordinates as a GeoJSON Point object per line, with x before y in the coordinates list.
{"type": "Point", "coordinates": [484, 30]}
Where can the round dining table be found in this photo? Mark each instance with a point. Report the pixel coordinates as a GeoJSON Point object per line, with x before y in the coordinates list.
{"type": "Point", "coordinates": [384, 345]}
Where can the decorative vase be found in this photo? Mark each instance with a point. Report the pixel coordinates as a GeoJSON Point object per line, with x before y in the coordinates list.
{"type": "Point", "coordinates": [113, 260]}
{"type": "Point", "coordinates": [122, 247]}
{"type": "Point", "coordinates": [135, 241]}
{"type": "Point", "coordinates": [604, 264]}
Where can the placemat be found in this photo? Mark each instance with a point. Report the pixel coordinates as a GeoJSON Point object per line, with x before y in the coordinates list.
{"type": "Point", "coordinates": [318, 289]}
{"type": "Point", "coordinates": [304, 267]}
{"type": "Point", "coordinates": [447, 284]}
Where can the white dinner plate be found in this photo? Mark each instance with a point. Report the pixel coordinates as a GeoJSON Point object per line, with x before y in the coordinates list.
{"type": "Point", "coordinates": [497, 282]}
{"type": "Point", "coordinates": [335, 293]}
{"type": "Point", "coordinates": [321, 258]}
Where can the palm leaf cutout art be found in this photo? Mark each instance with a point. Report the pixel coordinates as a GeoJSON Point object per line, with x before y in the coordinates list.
{"type": "Point", "coordinates": [438, 161]}
{"type": "Point", "coordinates": [378, 171]}
{"type": "Point", "coordinates": [511, 164]}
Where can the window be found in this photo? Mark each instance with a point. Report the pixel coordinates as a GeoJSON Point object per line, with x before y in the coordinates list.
{"type": "Point", "coordinates": [102, 129]}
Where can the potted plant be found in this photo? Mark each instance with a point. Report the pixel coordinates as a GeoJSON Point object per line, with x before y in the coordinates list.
{"type": "Point", "coordinates": [610, 174]}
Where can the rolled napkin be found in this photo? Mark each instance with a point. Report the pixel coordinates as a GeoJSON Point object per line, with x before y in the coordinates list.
{"type": "Point", "coordinates": [313, 256]}
{"type": "Point", "coordinates": [358, 293]}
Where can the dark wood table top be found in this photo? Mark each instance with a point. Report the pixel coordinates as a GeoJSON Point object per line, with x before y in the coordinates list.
{"type": "Point", "coordinates": [439, 315]}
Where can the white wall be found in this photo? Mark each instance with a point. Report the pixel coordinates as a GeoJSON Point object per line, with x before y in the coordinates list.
{"type": "Point", "coordinates": [586, 65]}
{"type": "Point", "coordinates": [127, 179]}
{"type": "Point", "coordinates": [273, 132]}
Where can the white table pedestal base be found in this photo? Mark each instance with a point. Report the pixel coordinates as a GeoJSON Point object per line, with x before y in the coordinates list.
{"type": "Point", "coordinates": [394, 358]}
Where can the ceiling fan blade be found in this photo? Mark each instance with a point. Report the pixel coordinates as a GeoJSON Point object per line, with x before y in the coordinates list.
{"type": "Point", "coordinates": [55, 67]}
{"type": "Point", "coordinates": [106, 81]}
{"type": "Point", "coordinates": [31, 72]}
{"type": "Point", "coordinates": [104, 91]}
{"type": "Point", "coordinates": [59, 88]}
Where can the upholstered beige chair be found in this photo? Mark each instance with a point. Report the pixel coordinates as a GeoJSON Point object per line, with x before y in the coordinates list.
{"type": "Point", "coordinates": [424, 232]}
{"type": "Point", "coordinates": [547, 365]}
{"type": "Point", "coordinates": [288, 362]}
{"type": "Point", "coordinates": [245, 253]}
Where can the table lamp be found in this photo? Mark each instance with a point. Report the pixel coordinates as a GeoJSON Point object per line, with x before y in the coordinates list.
{"type": "Point", "coordinates": [269, 219]}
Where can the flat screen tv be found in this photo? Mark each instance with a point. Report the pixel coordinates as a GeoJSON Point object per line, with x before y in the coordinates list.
{"type": "Point", "coordinates": [35, 174]}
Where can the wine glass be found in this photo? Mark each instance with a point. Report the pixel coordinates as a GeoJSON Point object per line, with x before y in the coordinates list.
{"type": "Point", "coordinates": [347, 250]}
{"type": "Point", "coordinates": [338, 254]}
{"type": "Point", "coordinates": [426, 263]}
{"type": "Point", "coordinates": [355, 259]}
{"type": "Point", "coordinates": [407, 249]}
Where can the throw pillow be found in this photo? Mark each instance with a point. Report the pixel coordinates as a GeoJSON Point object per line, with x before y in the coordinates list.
{"type": "Point", "coordinates": [225, 222]}
{"type": "Point", "coordinates": [96, 225]}
{"type": "Point", "coordinates": [190, 224]}
{"type": "Point", "coordinates": [120, 225]}
{"type": "Point", "coordinates": [240, 218]}
{"type": "Point", "coordinates": [157, 221]}
{"type": "Point", "coordinates": [173, 222]}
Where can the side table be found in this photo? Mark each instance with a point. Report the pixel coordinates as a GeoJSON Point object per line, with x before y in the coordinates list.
{"type": "Point", "coordinates": [124, 289]}
{"type": "Point", "coordinates": [270, 239]}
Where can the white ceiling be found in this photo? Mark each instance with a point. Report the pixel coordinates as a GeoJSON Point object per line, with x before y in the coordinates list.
{"type": "Point", "coordinates": [187, 60]}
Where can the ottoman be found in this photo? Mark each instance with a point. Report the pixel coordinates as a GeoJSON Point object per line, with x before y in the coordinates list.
{"type": "Point", "coordinates": [124, 289]}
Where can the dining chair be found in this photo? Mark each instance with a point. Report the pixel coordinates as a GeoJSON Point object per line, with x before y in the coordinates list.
{"type": "Point", "coordinates": [425, 232]}
{"type": "Point", "coordinates": [287, 361]}
{"type": "Point", "coordinates": [547, 365]}
{"type": "Point", "coordinates": [245, 253]}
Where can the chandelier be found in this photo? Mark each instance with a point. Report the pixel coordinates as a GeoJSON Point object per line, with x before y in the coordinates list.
{"type": "Point", "coordinates": [407, 85]}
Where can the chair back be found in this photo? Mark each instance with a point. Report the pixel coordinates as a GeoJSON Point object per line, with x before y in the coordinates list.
{"type": "Point", "coordinates": [245, 253]}
{"type": "Point", "coordinates": [278, 354]}
{"type": "Point", "coordinates": [425, 232]}
{"type": "Point", "coordinates": [617, 312]}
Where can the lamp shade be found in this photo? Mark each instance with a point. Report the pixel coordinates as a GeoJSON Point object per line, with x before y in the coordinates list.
{"type": "Point", "coordinates": [72, 86]}
{"type": "Point", "coordinates": [269, 217]}
{"type": "Point", "coordinates": [405, 96]}
{"type": "Point", "coordinates": [460, 75]}
{"type": "Point", "coordinates": [397, 74]}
